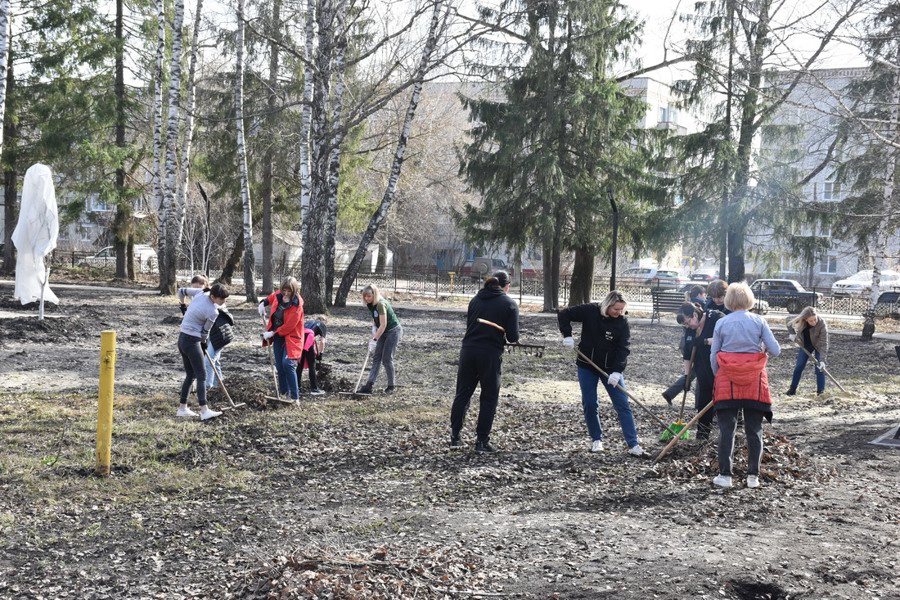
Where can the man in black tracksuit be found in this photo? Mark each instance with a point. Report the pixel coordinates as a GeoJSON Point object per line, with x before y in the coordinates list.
{"type": "Point", "coordinates": [481, 357]}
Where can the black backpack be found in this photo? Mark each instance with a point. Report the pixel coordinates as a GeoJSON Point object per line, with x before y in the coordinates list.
{"type": "Point", "coordinates": [222, 332]}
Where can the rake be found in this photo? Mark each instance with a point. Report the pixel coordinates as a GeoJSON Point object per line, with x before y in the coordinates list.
{"type": "Point", "coordinates": [679, 424]}
{"type": "Point", "coordinates": [355, 391]}
{"type": "Point", "coordinates": [268, 344]}
{"type": "Point", "coordinates": [528, 349]}
{"type": "Point", "coordinates": [830, 376]}
{"type": "Point", "coordinates": [221, 381]}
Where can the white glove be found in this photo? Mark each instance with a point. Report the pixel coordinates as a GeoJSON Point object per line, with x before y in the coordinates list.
{"type": "Point", "coordinates": [821, 365]}
{"type": "Point", "coordinates": [262, 309]}
{"type": "Point", "coordinates": [569, 342]}
{"type": "Point", "coordinates": [268, 335]}
{"type": "Point", "coordinates": [372, 344]}
{"type": "Point", "coordinates": [614, 379]}
{"type": "Point", "coordinates": [374, 330]}
{"type": "Point", "coordinates": [792, 336]}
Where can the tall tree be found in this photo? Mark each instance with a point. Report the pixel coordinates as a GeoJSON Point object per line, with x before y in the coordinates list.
{"type": "Point", "coordinates": [562, 130]}
{"type": "Point", "coordinates": [173, 122]}
{"type": "Point", "coordinates": [741, 43]}
{"type": "Point", "coordinates": [269, 158]}
{"type": "Point", "coordinates": [156, 184]}
{"type": "Point", "coordinates": [249, 260]}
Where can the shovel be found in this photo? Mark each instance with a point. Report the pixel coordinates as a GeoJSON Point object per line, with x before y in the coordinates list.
{"type": "Point", "coordinates": [813, 358]}
{"type": "Point", "coordinates": [679, 424]}
{"type": "Point", "coordinates": [355, 391]}
{"type": "Point", "coordinates": [687, 426]}
{"type": "Point", "coordinates": [221, 381]}
{"type": "Point", "coordinates": [627, 393]}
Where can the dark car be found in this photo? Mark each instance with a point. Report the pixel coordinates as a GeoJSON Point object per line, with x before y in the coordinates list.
{"type": "Point", "coordinates": [784, 293]}
{"type": "Point", "coordinates": [704, 275]}
{"type": "Point", "coordinates": [888, 305]}
{"type": "Point", "coordinates": [479, 268]}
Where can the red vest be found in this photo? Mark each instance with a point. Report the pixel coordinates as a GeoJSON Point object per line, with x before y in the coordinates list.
{"type": "Point", "coordinates": [742, 376]}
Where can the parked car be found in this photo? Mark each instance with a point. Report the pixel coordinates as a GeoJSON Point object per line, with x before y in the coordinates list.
{"type": "Point", "coordinates": [635, 277]}
{"type": "Point", "coordinates": [481, 267]}
{"type": "Point", "coordinates": [785, 293]}
{"type": "Point", "coordinates": [888, 305]}
{"type": "Point", "coordinates": [145, 258]}
{"type": "Point", "coordinates": [704, 275]}
{"type": "Point", "coordinates": [860, 284]}
{"type": "Point", "coordinates": [667, 280]}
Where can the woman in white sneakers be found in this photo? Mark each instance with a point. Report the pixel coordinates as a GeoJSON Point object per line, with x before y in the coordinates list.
{"type": "Point", "coordinates": [198, 319]}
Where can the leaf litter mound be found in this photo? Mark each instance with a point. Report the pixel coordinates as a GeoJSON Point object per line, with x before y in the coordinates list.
{"type": "Point", "coordinates": [46, 331]}
{"type": "Point", "coordinates": [258, 391]}
{"type": "Point", "coordinates": [782, 462]}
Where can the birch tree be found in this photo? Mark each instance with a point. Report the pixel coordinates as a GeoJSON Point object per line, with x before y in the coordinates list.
{"type": "Point", "coordinates": [434, 34]}
{"type": "Point", "coordinates": [188, 129]}
{"type": "Point", "coordinates": [306, 118]}
{"type": "Point", "coordinates": [171, 163]}
{"type": "Point", "coordinates": [155, 174]}
{"type": "Point", "coordinates": [249, 260]}
{"type": "Point", "coordinates": [4, 57]}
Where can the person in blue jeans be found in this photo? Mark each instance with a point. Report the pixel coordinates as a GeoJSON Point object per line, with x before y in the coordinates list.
{"type": "Point", "coordinates": [808, 330]}
{"type": "Point", "coordinates": [606, 341]}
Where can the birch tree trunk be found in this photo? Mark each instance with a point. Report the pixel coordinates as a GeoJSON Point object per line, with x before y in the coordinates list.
{"type": "Point", "coordinates": [188, 131]}
{"type": "Point", "coordinates": [156, 179]}
{"type": "Point", "coordinates": [10, 157]}
{"type": "Point", "coordinates": [249, 281]}
{"type": "Point", "coordinates": [435, 31]}
{"type": "Point", "coordinates": [306, 119]}
{"type": "Point", "coordinates": [313, 263]}
{"type": "Point", "coordinates": [4, 56]}
{"type": "Point", "coordinates": [172, 150]}
{"type": "Point", "coordinates": [268, 161]}
{"type": "Point", "coordinates": [336, 140]}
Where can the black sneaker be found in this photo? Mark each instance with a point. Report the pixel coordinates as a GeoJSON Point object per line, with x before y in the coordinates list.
{"type": "Point", "coordinates": [366, 389]}
{"type": "Point", "coordinates": [483, 447]}
{"type": "Point", "coordinates": [389, 389]}
{"type": "Point", "coordinates": [456, 442]}
{"type": "Point", "coordinates": [791, 392]}
{"type": "Point", "coordinates": [667, 399]}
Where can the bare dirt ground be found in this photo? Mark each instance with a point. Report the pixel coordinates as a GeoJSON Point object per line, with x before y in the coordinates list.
{"type": "Point", "coordinates": [349, 498]}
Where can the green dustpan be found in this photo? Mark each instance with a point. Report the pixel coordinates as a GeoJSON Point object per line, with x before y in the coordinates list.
{"type": "Point", "coordinates": [677, 428]}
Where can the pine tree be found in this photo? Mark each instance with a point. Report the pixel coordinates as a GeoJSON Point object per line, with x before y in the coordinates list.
{"type": "Point", "coordinates": [563, 129]}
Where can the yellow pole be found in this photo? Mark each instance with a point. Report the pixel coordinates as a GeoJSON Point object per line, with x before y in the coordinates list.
{"type": "Point", "coordinates": [452, 275]}
{"type": "Point", "coordinates": [105, 405]}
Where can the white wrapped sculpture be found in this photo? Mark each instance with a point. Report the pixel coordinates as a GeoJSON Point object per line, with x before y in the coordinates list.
{"type": "Point", "coordinates": [35, 237]}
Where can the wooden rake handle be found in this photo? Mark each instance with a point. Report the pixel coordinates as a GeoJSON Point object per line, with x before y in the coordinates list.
{"type": "Point", "coordinates": [221, 382]}
{"type": "Point", "coordinates": [687, 426]}
{"type": "Point", "coordinates": [687, 384]}
{"type": "Point", "coordinates": [627, 393]}
{"type": "Point", "coordinates": [271, 360]}
{"type": "Point", "coordinates": [830, 376]}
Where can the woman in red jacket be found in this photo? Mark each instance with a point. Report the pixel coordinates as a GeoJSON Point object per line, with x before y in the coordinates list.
{"type": "Point", "coordinates": [285, 333]}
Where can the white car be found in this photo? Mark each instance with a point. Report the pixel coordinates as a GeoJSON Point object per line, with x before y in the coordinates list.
{"type": "Point", "coordinates": [860, 284]}
{"type": "Point", "coordinates": [145, 258]}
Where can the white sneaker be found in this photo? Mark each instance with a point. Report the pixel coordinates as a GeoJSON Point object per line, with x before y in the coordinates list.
{"type": "Point", "coordinates": [185, 412]}
{"type": "Point", "coordinates": [636, 450]}
{"type": "Point", "coordinates": [722, 481]}
{"type": "Point", "coordinates": [316, 392]}
{"type": "Point", "coordinates": [752, 481]}
{"type": "Point", "coordinates": [597, 446]}
{"type": "Point", "coordinates": [208, 413]}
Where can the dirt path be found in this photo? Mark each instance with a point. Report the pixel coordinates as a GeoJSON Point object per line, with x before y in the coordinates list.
{"type": "Point", "coordinates": [361, 498]}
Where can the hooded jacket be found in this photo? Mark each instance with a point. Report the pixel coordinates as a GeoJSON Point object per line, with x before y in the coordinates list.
{"type": "Point", "coordinates": [605, 340]}
{"type": "Point", "coordinates": [494, 305]}
{"type": "Point", "coordinates": [818, 335]}
{"type": "Point", "coordinates": [291, 328]}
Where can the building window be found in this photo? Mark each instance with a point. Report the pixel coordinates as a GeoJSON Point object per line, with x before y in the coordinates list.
{"type": "Point", "coordinates": [828, 264]}
{"type": "Point", "coordinates": [788, 265]}
{"type": "Point", "coordinates": [668, 114]}
{"type": "Point", "coordinates": [831, 190]}
{"type": "Point", "coordinates": [96, 204]}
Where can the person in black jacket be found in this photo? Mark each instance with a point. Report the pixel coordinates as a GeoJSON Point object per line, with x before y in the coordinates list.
{"type": "Point", "coordinates": [699, 325]}
{"type": "Point", "coordinates": [481, 357]}
{"type": "Point", "coordinates": [605, 340]}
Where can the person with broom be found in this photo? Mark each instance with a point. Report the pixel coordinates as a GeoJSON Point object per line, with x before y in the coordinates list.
{"type": "Point", "coordinates": [606, 341]}
{"type": "Point", "coordinates": [700, 324]}
{"type": "Point", "coordinates": [199, 317]}
{"type": "Point", "coordinates": [492, 319]}
{"type": "Point", "coordinates": [386, 334]}
{"type": "Point", "coordinates": [285, 332]}
{"type": "Point", "coordinates": [813, 336]}
{"type": "Point", "coordinates": [738, 356]}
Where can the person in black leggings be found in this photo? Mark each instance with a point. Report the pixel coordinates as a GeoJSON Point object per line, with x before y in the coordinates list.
{"type": "Point", "coordinates": [481, 357]}
{"type": "Point", "coordinates": [198, 319]}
